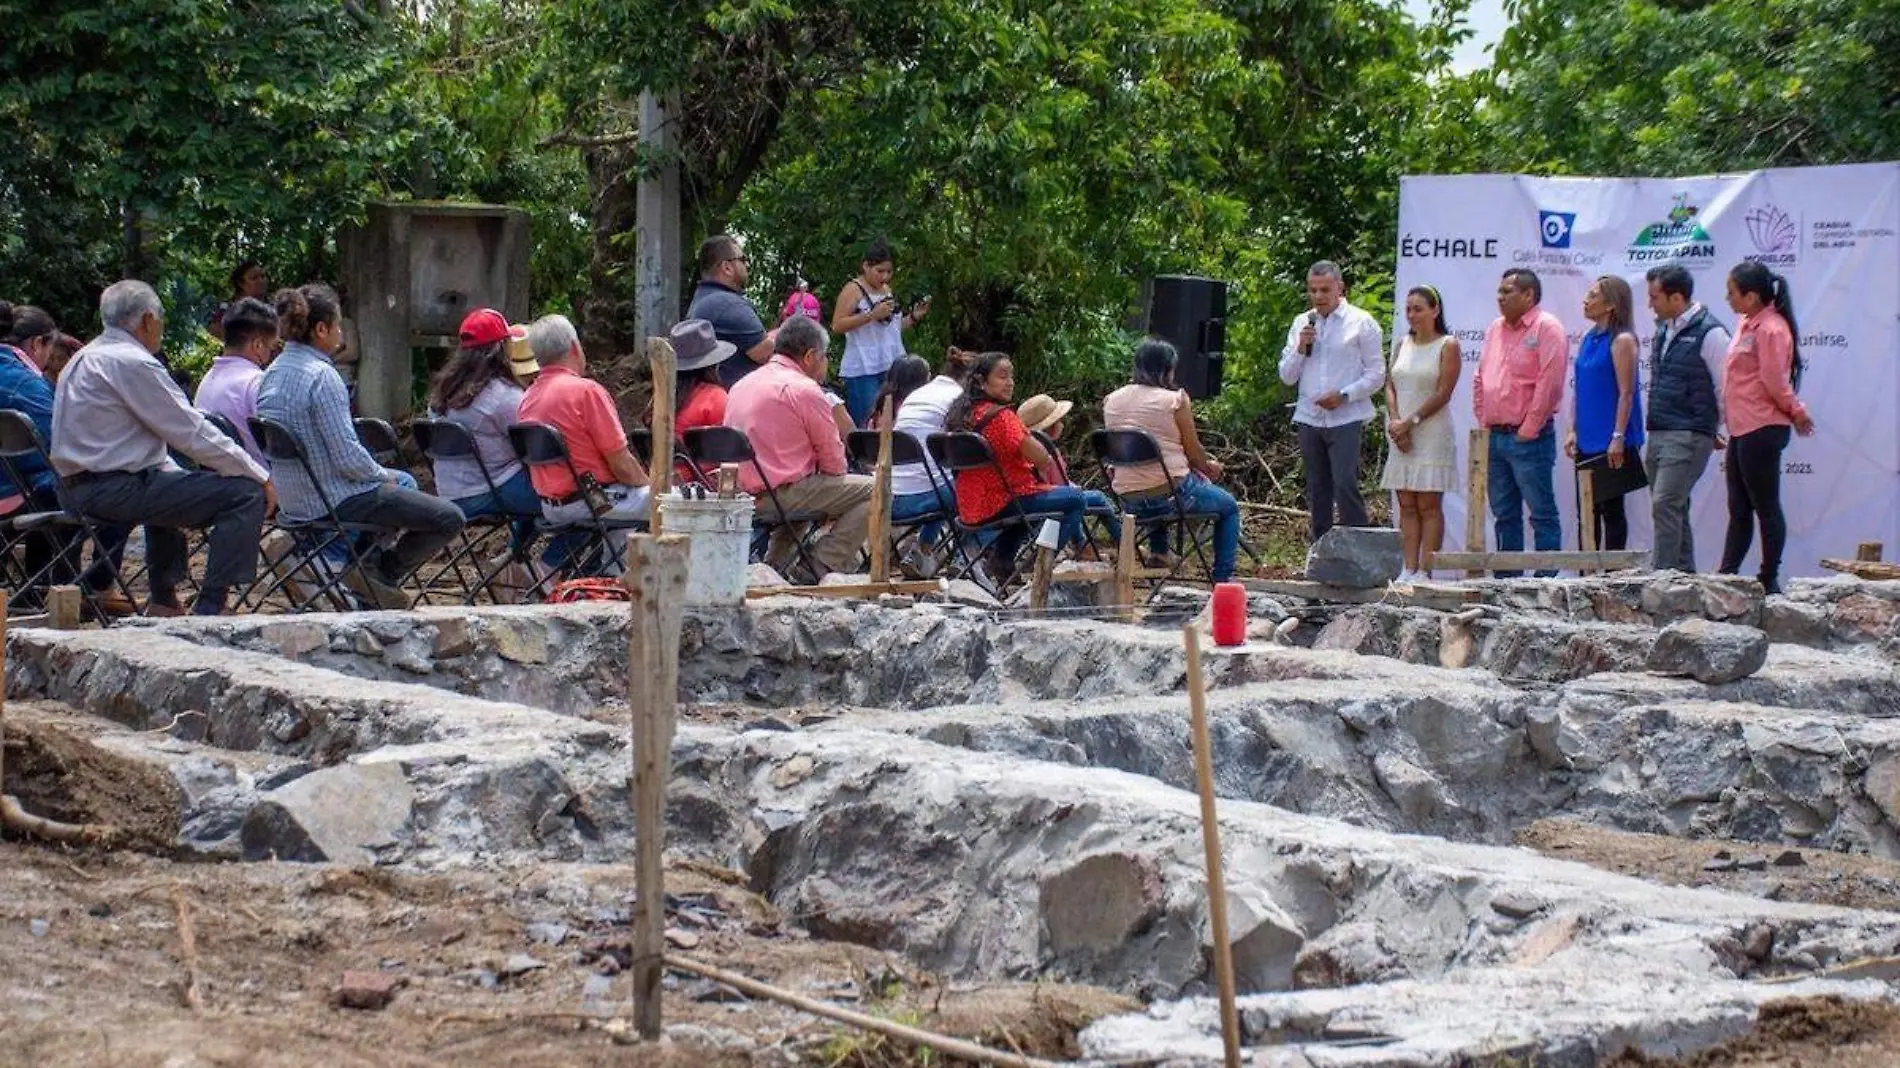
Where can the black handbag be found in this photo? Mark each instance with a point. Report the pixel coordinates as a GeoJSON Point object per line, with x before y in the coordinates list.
{"type": "Point", "coordinates": [1608, 483]}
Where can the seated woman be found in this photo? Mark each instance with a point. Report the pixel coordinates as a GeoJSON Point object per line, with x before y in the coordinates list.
{"type": "Point", "coordinates": [1152, 402]}
{"type": "Point", "coordinates": [478, 391]}
{"type": "Point", "coordinates": [983, 495]}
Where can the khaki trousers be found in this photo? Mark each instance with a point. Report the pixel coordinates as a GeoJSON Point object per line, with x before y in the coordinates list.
{"type": "Point", "coordinates": [844, 499]}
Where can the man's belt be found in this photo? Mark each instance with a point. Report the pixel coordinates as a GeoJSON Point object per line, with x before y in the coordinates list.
{"type": "Point", "coordinates": [1503, 428]}
{"type": "Point", "coordinates": [557, 502]}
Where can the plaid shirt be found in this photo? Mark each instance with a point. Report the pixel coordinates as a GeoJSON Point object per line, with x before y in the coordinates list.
{"type": "Point", "coordinates": [302, 390]}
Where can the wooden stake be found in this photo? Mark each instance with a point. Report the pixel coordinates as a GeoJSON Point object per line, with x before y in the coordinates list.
{"type": "Point", "coordinates": [1039, 585]}
{"type": "Point", "coordinates": [1558, 560]}
{"type": "Point", "coordinates": [852, 589]}
{"type": "Point", "coordinates": [1477, 495]}
{"type": "Point", "coordinates": [728, 481]}
{"type": "Point", "coordinates": [656, 585]}
{"type": "Point", "coordinates": [1869, 552]}
{"type": "Point", "coordinates": [188, 949]}
{"type": "Point", "coordinates": [1125, 564]}
{"type": "Point", "coordinates": [1210, 839]}
{"type": "Point", "coordinates": [660, 468]}
{"type": "Point", "coordinates": [1587, 513]}
{"type": "Point", "coordinates": [63, 605]}
{"type": "Point", "coordinates": [880, 532]}
{"type": "Point", "coordinates": [953, 1047]}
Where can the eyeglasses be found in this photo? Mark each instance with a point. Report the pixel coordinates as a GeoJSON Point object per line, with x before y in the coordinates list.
{"type": "Point", "coordinates": [738, 259]}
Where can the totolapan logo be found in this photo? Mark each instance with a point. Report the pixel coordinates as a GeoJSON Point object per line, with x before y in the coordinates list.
{"type": "Point", "coordinates": [1680, 237]}
{"type": "Point", "coordinates": [1777, 237]}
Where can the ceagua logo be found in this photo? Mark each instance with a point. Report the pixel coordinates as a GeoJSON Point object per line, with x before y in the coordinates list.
{"type": "Point", "coordinates": [1680, 237]}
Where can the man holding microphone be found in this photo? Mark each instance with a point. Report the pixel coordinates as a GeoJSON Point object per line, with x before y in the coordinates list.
{"type": "Point", "coordinates": [1335, 354]}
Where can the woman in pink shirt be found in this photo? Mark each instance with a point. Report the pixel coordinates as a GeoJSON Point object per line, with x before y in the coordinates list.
{"type": "Point", "coordinates": [1758, 386]}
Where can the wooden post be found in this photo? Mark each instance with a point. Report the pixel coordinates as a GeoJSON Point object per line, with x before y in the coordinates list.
{"type": "Point", "coordinates": [881, 498]}
{"type": "Point", "coordinates": [728, 481]}
{"type": "Point", "coordinates": [1125, 564]}
{"type": "Point", "coordinates": [660, 468]}
{"type": "Point", "coordinates": [63, 604]}
{"type": "Point", "coordinates": [1477, 497]}
{"type": "Point", "coordinates": [1039, 584]}
{"type": "Point", "coordinates": [1210, 840]}
{"type": "Point", "coordinates": [656, 585]}
{"type": "Point", "coordinates": [1587, 513]}
{"type": "Point", "coordinates": [1869, 551]}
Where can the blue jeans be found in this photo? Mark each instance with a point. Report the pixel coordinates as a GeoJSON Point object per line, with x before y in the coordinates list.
{"type": "Point", "coordinates": [1068, 500]}
{"type": "Point", "coordinates": [907, 507]}
{"type": "Point", "coordinates": [515, 497]}
{"type": "Point", "coordinates": [860, 396]}
{"type": "Point", "coordinates": [1197, 494]}
{"type": "Point", "coordinates": [1522, 475]}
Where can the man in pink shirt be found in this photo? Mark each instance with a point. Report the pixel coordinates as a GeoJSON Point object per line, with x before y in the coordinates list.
{"type": "Point", "coordinates": [229, 388]}
{"type": "Point", "coordinates": [1519, 384]}
{"type": "Point", "coordinates": [782, 410]}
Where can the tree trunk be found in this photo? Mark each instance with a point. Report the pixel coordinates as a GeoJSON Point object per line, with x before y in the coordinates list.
{"type": "Point", "coordinates": [607, 314]}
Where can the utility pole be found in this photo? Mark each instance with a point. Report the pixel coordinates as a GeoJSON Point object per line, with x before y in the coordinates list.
{"type": "Point", "coordinates": [658, 254]}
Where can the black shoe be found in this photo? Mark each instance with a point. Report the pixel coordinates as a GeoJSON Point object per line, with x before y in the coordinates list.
{"type": "Point", "coordinates": [1770, 585]}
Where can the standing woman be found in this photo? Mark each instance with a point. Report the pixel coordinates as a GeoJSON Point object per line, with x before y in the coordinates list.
{"type": "Point", "coordinates": [1607, 423]}
{"type": "Point", "coordinates": [1758, 383]}
{"type": "Point", "coordinates": [867, 314]}
{"type": "Point", "coordinates": [247, 280]}
{"type": "Point", "coordinates": [1423, 463]}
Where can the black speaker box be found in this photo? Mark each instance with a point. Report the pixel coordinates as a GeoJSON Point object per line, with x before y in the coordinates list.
{"type": "Point", "coordinates": [1191, 313]}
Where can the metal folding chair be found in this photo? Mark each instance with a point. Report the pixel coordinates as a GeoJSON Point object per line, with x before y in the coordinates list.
{"type": "Point", "coordinates": [711, 446]}
{"type": "Point", "coordinates": [443, 439]}
{"type": "Point", "coordinates": [312, 538]}
{"type": "Point", "coordinates": [71, 531]}
{"type": "Point", "coordinates": [587, 546]}
{"type": "Point", "coordinates": [967, 451]}
{"type": "Point", "coordinates": [862, 446]}
{"type": "Point", "coordinates": [1191, 529]}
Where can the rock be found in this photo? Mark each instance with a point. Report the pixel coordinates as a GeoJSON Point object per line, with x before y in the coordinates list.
{"type": "Point", "coordinates": [547, 934]}
{"type": "Point", "coordinates": [1417, 792]}
{"type": "Point", "coordinates": [38, 926]}
{"type": "Point", "coordinates": [1790, 858]}
{"type": "Point", "coordinates": [1720, 864]}
{"type": "Point", "coordinates": [1266, 943]}
{"type": "Point", "coordinates": [295, 639]}
{"type": "Point", "coordinates": [1347, 955]}
{"type": "Point", "coordinates": [844, 578]}
{"type": "Point", "coordinates": [769, 723]}
{"type": "Point", "coordinates": [1546, 940]}
{"type": "Point", "coordinates": [365, 990]}
{"type": "Point", "coordinates": [336, 814]}
{"type": "Point", "coordinates": [99, 911]}
{"type": "Point", "coordinates": [1670, 596]}
{"type": "Point", "coordinates": [1752, 862]}
{"type": "Point", "coordinates": [390, 631]}
{"type": "Point", "coordinates": [1882, 786]}
{"type": "Point", "coordinates": [757, 575]}
{"type": "Point", "coordinates": [1099, 903]}
{"type": "Point", "coordinates": [1860, 617]}
{"type": "Point", "coordinates": [1758, 941]}
{"type": "Point", "coordinates": [1457, 646]}
{"type": "Point", "coordinates": [963, 591]}
{"type": "Point", "coordinates": [793, 771]}
{"type": "Point", "coordinates": [1712, 653]}
{"type": "Point", "coordinates": [1518, 905]}
{"type": "Point", "coordinates": [1362, 557]}
{"type": "Point", "coordinates": [520, 640]}
{"type": "Point", "coordinates": [452, 638]}
{"type": "Point", "coordinates": [681, 939]}
{"type": "Point", "coordinates": [520, 964]}
{"type": "Point", "coordinates": [1794, 622]}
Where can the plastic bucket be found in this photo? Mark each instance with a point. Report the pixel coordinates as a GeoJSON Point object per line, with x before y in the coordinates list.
{"type": "Point", "coordinates": [720, 531]}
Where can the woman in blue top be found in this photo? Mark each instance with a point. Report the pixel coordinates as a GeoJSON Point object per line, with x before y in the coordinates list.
{"type": "Point", "coordinates": [1608, 424]}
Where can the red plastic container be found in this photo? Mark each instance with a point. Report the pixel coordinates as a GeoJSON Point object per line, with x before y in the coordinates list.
{"type": "Point", "coordinates": [1230, 614]}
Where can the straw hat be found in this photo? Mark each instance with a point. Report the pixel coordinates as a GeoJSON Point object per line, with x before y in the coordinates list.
{"type": "Point", "coordinates": [1042, 411]}
{"type": "Point", "coordinates": [521, 357]}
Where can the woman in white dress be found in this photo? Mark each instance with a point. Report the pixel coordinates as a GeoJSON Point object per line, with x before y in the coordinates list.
{"type": "Point", "coordinates": [1423, 463]}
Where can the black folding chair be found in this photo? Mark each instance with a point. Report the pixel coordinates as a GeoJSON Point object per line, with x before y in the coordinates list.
{"type": "Point", "coordinates": [711, 446]}
{"type": "Point", "coordinates": [588, 546]}
{"type": "Point", "coordinates": [70, 532]}
{"type": "Point", "coordinates": [968, 451]}
{"type": "Point", "coordinates": [313, 539]}
{"type": "Point", "coordinates": [862, 446]}
{"type": "Point", "coordinates": [444, 439]}
{"type": "Point", "coordinates": [381, 441]}
{"type": "Point", "coordinates": [640, 443]}
{"type": "Point", "coordinates": [1191, 529]}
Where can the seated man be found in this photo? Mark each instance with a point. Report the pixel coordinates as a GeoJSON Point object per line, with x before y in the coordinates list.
{"type": "Point", "coordinates": [115, 414]}
{"type": "Point", "coordinates": [583, 411]}
{"type": "Point", "coordinates": [783, 411]}
{"type": "Point", "coordinates": [303, 391]}
{"type": "Point", "coordinates": [229, 388]}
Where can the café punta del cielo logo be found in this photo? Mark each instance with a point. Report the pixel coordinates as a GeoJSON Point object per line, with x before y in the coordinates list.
{"type": "Point", "coordinates": [1680, 238]}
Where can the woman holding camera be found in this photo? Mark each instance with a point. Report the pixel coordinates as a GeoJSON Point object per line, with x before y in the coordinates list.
{"type": "Point", "coordinates": [872, 321]}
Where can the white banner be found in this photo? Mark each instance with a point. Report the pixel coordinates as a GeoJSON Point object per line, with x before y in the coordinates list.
{"type": "Point", "coordinates": [1833, 232]}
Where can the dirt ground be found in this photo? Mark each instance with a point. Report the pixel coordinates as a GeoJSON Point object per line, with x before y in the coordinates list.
{"type": "Point", "coordinates": [1801, 1033]}
{"type": "Point", "coordinates": [505, 967]}
{"type": "Point", "coordinates": [1811, 876]}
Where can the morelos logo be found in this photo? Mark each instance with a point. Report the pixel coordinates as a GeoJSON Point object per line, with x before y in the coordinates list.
{"type": "Point", "coordinates": [1777, 237]}
{"type": "Point", "coordinates": [1679, 238]}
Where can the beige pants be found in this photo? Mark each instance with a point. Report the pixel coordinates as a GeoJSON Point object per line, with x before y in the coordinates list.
{"type": "Point", "coordinates": [845, 499]}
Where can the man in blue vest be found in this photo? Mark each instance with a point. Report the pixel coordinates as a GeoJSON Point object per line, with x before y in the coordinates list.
{"type": "Point", "coordinates": [1684, 411]}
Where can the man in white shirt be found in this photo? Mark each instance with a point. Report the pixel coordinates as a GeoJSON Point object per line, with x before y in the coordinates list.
{"type": "Point", "coordinates": [1335, 354]}
{"type": "Point", "coordinates": [115, 415]}
{"type": "Point", "coordinates": [1684, 413]}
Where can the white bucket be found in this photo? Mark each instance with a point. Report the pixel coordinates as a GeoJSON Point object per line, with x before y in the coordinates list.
{"type": "Point", "coordinates": [721, 535]}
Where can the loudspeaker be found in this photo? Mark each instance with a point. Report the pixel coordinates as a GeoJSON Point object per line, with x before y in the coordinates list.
{"type": "Point", "coordinates": [1191, 314]}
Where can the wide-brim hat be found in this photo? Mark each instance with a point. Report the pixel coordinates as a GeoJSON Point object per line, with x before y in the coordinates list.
{"type": "Point", "coordinates": [696, 347]}
{"type": "Point", "coordinates": [1042, 411]}
{"type": "Point", "coordinates": [521, 356]}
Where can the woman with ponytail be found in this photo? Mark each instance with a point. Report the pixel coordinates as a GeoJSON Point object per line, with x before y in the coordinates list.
{"type": "Point", "coordinates": [1758, 383]}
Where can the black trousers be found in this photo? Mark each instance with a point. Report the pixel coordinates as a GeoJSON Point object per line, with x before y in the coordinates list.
{"type": "Point", "coordinates": [427, 523]}
{"type": "Point", "coordinates": [1754, 495]}
{"type": "Point", "coordinates": [167, 503]}
{"type": "Point", "coordinates": [1331, 456]}
{"type": "Point", "coordinates": [1612, 517]}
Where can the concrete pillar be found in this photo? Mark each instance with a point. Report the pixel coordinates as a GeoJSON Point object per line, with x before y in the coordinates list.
{"type": "Point", "coordinates": [659, 257]}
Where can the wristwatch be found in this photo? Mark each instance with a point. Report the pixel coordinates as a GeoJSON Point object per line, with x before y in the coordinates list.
{"type": "Point", "coordinates": [1618, 436]}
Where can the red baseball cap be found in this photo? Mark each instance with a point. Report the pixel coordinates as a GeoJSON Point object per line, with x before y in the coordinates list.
{"type": "Point", "coordinates": [486, 326]}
